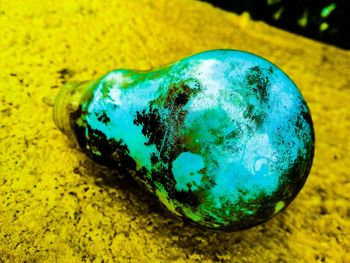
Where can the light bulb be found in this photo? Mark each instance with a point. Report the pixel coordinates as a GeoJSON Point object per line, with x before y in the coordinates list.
{"type": "Point", "coordinates": [223, 138]}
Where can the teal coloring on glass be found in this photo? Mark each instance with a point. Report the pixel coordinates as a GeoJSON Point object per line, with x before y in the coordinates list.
{"type": "Point", "coordinates": [186, 170]}
{"type": "Point", "coordinates": [223, 138]}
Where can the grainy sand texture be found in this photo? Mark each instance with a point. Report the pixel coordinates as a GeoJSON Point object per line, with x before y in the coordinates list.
{"type": "Point", "coordinates": [58, 206]}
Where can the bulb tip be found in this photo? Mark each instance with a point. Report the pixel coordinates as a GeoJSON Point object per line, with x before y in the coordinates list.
{"type": "Point", "coordinates": [65, 103]}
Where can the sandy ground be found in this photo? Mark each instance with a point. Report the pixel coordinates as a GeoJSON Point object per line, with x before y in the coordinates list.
{"type": "Point", "coordinates": [57, 206]}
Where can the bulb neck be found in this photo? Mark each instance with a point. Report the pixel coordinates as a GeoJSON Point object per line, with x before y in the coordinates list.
{"type": "Point", "coordinates": [66, 103]}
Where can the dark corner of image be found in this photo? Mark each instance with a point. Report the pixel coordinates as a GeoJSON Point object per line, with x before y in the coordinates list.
{"type": "Point", "coordinates": [327, 21]}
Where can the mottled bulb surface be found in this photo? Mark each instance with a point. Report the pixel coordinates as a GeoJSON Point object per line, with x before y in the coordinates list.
{"type": "Point", "coordinates": [223, 138]}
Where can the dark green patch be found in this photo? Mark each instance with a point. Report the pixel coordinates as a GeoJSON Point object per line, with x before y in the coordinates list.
{"type": "Point", "coordinates": [270, 70]}
{"type": "Point", "coordinates": [161, 124]}
{"type": "Point", "coordinates": [152, 126]}
{"type": "Point", "coordinates": [113, 153]}
{"type": "Point", "coordinates": [305, 118]}
{"type": "Point", "coordinates": [189, 198]}
{"type": "Point", "coordinates": [104, 118]}
{"type": "Point", "coordinates": [154, 158]}
{"type": "Point", "coordinates": [179, 94]}
{"type": "Point", "coordinates": [162, 173]}
{"type": "Point", "coordinates": [255, 113]}
{"type": "Point", "coordinates": [164, 118]}
{"type": "Point", "coordinates": [249, 110]}
{"type": "Point", "coordinates": [258, 79]}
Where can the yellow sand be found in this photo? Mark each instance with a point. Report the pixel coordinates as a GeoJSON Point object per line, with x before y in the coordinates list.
{"type": "Point", "coordinates": [56, 206]}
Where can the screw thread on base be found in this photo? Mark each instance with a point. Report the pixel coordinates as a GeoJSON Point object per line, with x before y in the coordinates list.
{"type": "Point", "coordinates": [66, 102]}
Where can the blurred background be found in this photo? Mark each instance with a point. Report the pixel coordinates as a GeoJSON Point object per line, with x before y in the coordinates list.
{"type": "Point", "coordinates": [327, 21]}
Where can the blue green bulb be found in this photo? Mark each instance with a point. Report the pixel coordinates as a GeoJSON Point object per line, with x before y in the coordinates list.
{"type": "Point", "coordinates": [223, 138]}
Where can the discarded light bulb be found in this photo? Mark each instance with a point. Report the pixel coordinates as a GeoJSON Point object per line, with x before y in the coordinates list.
{"type": "Point", "coordinates": [223, 138]}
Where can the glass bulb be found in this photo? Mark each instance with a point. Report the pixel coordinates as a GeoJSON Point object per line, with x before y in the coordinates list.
{"type": "Point", "coordinates": [223, 138]}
